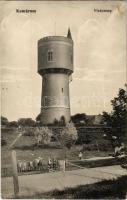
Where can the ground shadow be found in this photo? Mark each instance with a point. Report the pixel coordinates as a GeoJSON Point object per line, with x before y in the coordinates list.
{"type": "Point", "coordinates": [108, 189]}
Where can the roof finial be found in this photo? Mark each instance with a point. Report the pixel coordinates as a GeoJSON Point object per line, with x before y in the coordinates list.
{"type": "Point", "coordinates": [69, 34]}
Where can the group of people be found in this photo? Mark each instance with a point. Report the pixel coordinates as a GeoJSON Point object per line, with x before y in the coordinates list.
{"type": "Point", "coordinates": [53, 164]}
{"type": "Point", "coordinates": [25, 166]}
{"type": "Point", "coordinates": [37, 165]}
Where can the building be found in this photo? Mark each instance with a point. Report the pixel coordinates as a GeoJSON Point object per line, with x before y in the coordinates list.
{"type": "Point", "coordinates": [55, 65]}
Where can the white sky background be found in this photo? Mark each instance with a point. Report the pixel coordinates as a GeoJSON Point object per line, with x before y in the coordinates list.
{"type": "Point", "coordinates": [99, 53]}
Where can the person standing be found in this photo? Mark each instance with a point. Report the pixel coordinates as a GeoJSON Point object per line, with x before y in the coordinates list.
{"type": "Point", "coordinates": [49, 164]}
{"type": "Point", "coordinates": [80, 155]}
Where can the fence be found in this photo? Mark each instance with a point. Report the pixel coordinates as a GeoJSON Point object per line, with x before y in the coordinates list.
{"type": "Point", "coordinates": [22, 168]}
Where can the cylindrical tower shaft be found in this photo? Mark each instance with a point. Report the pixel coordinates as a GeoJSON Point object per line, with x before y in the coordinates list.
{"type": "Point", "coordinates": [55, 97]}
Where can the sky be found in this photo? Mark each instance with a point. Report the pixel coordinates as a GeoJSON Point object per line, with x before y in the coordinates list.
{"type": "Point", "coordinates": [99, 53]}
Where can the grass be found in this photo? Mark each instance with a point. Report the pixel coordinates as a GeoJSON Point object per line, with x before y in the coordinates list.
{"type": "Point", "coordinates": [107, 189]}
{"type": "Point", "coordinates": [27, 150]}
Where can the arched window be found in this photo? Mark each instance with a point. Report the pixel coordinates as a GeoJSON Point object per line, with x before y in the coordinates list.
{"type": "Point", "coordinates": [62, 90]}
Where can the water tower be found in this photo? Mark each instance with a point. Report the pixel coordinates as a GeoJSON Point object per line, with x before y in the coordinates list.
{"type": "Point", "coordinates": [55, 65]}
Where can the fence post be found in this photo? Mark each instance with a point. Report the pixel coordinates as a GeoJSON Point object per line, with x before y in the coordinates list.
{"type": "Point", "coordinates": [62, 165]}
{"type": "Point", "coordinates": [15, 173]}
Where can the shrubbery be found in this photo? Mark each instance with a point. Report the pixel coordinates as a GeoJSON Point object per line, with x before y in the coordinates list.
{"type": "Point", "coordinates": [66, 135]}
{"type": "Point", "coordinates": [102, 145]}
{"type": "Point", "coordinates": [43, 135]}
{"type": "Point", "coordinates": [3, 142]}
{"type": "Point", "coordinates": [29, 131]}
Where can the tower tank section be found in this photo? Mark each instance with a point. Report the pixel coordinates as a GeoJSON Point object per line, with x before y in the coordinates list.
{"type": "Point", "coordinates": [55, 65]}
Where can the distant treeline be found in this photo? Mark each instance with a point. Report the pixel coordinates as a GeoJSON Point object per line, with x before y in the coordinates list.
{"type": "Point", "coordinates": [79, 119]}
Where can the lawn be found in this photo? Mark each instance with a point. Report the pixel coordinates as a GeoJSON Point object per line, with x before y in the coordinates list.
{"type": "Point", "coordinates": [107, 189]}
{"type": "Point", "coordinates": [27, 150]}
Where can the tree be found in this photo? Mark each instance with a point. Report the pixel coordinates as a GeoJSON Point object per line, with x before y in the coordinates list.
{"type": "Point", "coordinates": [77, 119]}
{"type": "Point", "coordinates": [68, 135]}
{"type": "Point", "coordinates": [4, 121]}
{"type": "Point", "coordinates": [87, 139]}
{"type": "Point", "coordinates": [38, 120]}
{"type": "Point", "coordinates": [13, 124]}
{"type": "Point", "coordinates": [117, 118]}
{"type": "Point", "coordinates": [106, 119]}
{"type": "Point", "coordinates": [119, 114]}
{"type": "Point", "coordinates": [43, 135]}
{"type": "Point", "coordinates": [90, 119]}
{"type": "Point", "coordinates": [26, 122]}
{"type": "Point", "coordinates": [3, 141]}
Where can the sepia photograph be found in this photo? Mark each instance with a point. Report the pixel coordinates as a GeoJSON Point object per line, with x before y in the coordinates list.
{"type": "Point", "coordinates": [63, 99]}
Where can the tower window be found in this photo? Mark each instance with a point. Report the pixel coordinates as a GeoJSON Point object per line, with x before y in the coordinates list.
{"type": "Point", "coordinates": [50, 56]}
{"type": "Point", "coordinates": [62, 90]}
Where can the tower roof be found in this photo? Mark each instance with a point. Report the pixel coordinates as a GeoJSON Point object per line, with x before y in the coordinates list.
{"type": "Point", "coordinates": [69, 34]}
{"type": "Point", "coordinates": [54, 38]}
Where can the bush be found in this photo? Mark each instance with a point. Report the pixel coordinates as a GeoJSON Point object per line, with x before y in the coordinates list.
{"type": "Point", "coordinates": [29, 132]}
{"type": "Point", "coordinates": [89, 147]}
{"type": "Point", "coordinates": [105, 145]}
{"type": "Point", "coordinates": [43, 135]}
{"type": "Point", "coordinates": [3, 142]}
{"type": "Point", "coordinates": [26, 122]}
{"type": "Point", "coordinates": [68, 135]}
{"type": "Point", "coordinates": [13, 124]}
{"type": "Point", "coordinates": [4, 121]}
{"type": "Point", "coordinates": [83, 137]}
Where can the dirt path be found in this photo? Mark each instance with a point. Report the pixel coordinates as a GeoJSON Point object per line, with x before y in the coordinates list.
{"type": "Point", "coordinates": [31, 184]}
